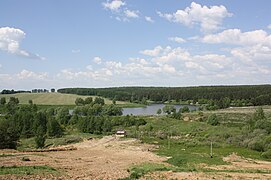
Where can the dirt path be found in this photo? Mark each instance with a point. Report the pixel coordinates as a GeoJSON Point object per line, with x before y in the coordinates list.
{"type": "Point", "coordinates": [106, 158]}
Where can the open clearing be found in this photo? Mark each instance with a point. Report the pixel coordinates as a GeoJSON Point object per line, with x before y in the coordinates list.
{"type": "Point", "coordinates": [106, 158]}
{"type": "Point", "coordinates": [50, 98]}
{"type": "Point", "coordinates": [244, 110]}
{"type": "Point", "coordinates": [109, 158]}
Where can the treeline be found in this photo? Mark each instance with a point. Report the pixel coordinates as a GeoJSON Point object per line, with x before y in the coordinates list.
{"type": "Point", "coordinates": [12, 91]}
{"type": "Point", "coordinates": [238, 95]}
{"type": "Point", "coordinates": [6, 91]}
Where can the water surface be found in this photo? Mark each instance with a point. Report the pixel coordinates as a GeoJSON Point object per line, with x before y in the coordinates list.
{"type": "Point", "coordinates": [152, 109]}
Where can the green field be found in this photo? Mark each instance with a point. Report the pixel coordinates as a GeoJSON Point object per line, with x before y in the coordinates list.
{"type": "Point", "coordinates": [51, 98]}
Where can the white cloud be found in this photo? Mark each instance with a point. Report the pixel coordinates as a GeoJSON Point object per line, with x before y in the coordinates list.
{"type": "Point", "coordinates": [97, 60]}
{"type": "Point", "coordinates": [89, 67]}
{"type": "Point", "coordinates": [139, 60]}
{"type": "Point", "coordinates": [119, 10]}
{"type": "Point", "coordinates": [194, 65]}
{"type": "Point", "coordinates": [25, 74]}
{"type": "Point", "coordinates": [10, 39]}
{"type": "Point", "coordinates": [209, 18]}
{"type": "Point", "coordinates": [168, 68]}
{"type": "Point", "coordinates": [114, 5]}
{"type": "Point", "coordinates": [269, 26]}
{"type": "Point", "coordinates": [149, 19]}
{"type": "Point", "coordinates": [76, 51]}
{"type": "Point", "coordinates": [177, 39]}
{"type": "Point", "coordinates": [237, 37]}
{"type": "Point", "coordinates": [154, 52]}
{"type": "Point", "coordinates": [253, 47]}
{"type": "Point", "coordinates": [257, 54]}
{"type": "Point", "coordinates": [131, 14]}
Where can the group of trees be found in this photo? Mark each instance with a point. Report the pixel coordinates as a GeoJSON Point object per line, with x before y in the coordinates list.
{"type": "Point", "coordinates": [214, 96]}
{"type": "Point", "coordinates": [26, 121]}
{"type": "Point", "coordinates": [6, 91]}
{"type": "Point", "coordinates": [172, 112]}
{"type": "Point", "coordinates": [89, 100]}
{"type": "Point", "coordinates": [40, 91]}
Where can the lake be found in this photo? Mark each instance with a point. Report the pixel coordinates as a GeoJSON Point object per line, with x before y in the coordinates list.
{"type": "Point", "coordinates": [152, 109]}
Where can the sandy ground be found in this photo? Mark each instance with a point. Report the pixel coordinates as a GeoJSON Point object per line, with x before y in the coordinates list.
{"type": "Point", "coordinates": [106, 158]}
{"type": "Point", "coordinates": [109, 158]}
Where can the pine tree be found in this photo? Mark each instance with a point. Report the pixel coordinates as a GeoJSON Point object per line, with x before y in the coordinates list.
{"type": "Point", "coordinates": [40, 137]}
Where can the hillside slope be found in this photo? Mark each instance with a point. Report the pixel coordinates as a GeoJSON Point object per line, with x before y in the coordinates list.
{"type": "Point", "coordinates": [49, 98]}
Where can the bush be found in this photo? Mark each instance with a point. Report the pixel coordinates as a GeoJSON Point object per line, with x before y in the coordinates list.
{"type": "Point", "coordinates": [213, 120]}
{"type": "Point", "coordinates": [256, 144]}
{"type": "Point", "coordinates": [267, 154]}
{"type": "Point", "coordinates": [185, 109]}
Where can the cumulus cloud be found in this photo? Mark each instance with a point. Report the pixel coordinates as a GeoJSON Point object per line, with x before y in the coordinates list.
{"type": "Point", "coordinates": [120, 10]}
{"type": "Point", "coordinates": [246, 64]}
{"type": "Point", "coordinates": [131, 14]}
{"type": "Point", "coordinates": [149, 19]}
{"type": "Point", "coordinates": [10, 39]}
{"type": "Point", "coordinates": [237, 37]}
{"type": "Point", "coordinates": [97, 60]}
{"type": "Point", "coordinates": [139, 60]}
{"type": "Point", "coordinates": [177, 39]}
{"type": "Point", "coordinates": [253, 47]}
{"type": "Point", "coordinates": [25, 74]}
{"type": "Point", "coordinates": [209, 18]}
{"type": "Point", "coordinates": [152, 52]}
{"type": "Point", "coordinates": [114, 5]}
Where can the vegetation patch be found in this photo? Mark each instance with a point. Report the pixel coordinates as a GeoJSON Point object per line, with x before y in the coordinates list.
{"type": "Point", "coordinates": [27, 170]}
{"type": "Point", "coordinates": [7, 155]}
{"type": "Point", "coordinates": [140, 170]}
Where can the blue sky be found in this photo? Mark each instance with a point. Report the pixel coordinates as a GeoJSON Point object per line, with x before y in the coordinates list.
{"type": "Point", "coordinates": [104, 43]}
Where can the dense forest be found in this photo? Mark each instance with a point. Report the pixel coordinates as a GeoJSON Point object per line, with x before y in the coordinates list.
{"type": "Point", "coordinates": [221, 96]}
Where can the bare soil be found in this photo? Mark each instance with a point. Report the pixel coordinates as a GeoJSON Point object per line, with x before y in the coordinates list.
{"type": "Point", "coordinates": [110, 157]}
{"type": "Point", "coordinates": [106, 158]}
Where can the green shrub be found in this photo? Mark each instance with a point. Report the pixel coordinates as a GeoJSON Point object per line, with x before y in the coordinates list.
{"type": "Point", "coordinates": [267, 154]}
{"type": "Point", "coordinates": [213, 120]}
{"type": "Point", "coordinates": [256, 144]}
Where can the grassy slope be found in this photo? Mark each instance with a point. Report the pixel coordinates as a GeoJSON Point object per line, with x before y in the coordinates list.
{"type": "Point", "coordinates": [50, 98]}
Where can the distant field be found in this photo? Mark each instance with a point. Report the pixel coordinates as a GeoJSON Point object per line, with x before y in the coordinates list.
{"type": "Point", "coordinates": [51, 98]}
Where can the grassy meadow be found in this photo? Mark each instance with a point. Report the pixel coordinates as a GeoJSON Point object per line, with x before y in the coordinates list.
{"type": "Point", "coordinates": [52, 98]}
